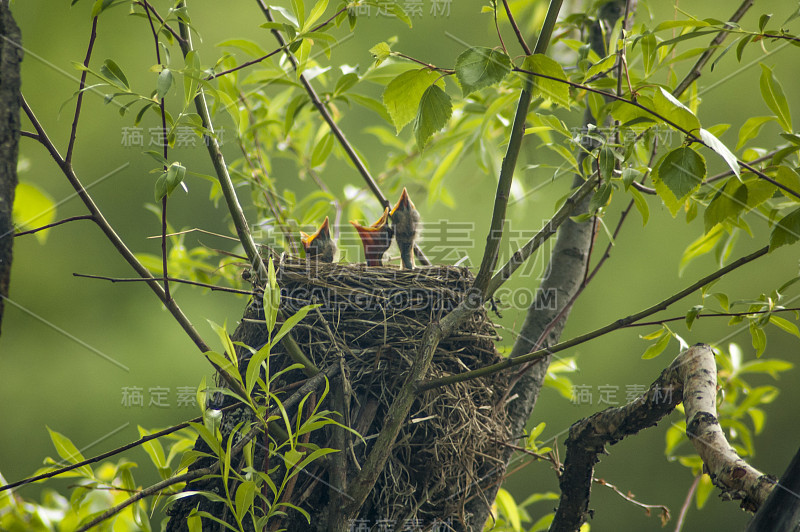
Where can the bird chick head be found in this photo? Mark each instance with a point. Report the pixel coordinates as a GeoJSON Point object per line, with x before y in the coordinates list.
{"type": "Point", "coordinates": [319, 245]}
{"type": "Point", "coordinates": [376, 238]}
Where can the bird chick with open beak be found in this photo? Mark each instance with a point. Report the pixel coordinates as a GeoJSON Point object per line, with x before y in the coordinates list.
{"type": "Point", "coordinates": [405, 219]}
{"type": "Point", "coordinates": [319, 246]}
{"type": "Point", "coordinates": [376, 238]}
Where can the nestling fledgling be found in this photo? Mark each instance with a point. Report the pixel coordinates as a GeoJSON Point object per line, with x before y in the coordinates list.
{"type": "Point", "coordinates": [405, 222]}
{"type": "Point", "coordinates": [376, 238]}
{"type": "Point", "coordinates": [319, 246]}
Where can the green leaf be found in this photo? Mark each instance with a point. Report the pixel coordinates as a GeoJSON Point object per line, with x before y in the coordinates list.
{"type": "Point", "coordinates": [434, 112]}
{"type": "Point", "coordinates": [601, 66]}
{"type": "Point", "coordinates": [649, 52]}
{"type": "Point", "coordinates": [161, 187]}
{"type": "Point", "coordinates": [727, 203]}
{"type": "Point", "coordinates": [787, 231]}
{"type": "Point", "coordinates": [790, 179]}
{"type": "Point", "coordinates": [112, 71]}
{"type": "Point", "coordinates": [291, 321]}
{"type": "Point", "coordinates": [704, 490]}
{"type": "Point", "coordinates": [701, 246]}
{"type": "Point", "coordinates": [759, 339]}
{"type": "Point", "coordinates": [316, 12]}
{"type": "Point", "coordinates": [247, 46]}
{"type": "Point", "coordinates": [715, 144]}
{"type": "Point", "coordinates": [691, 23]}
{"type": "Point", "coordinates": [657, 348]}
{"type": "Point", "coordinates": [692, 315]}
{"type": "Point", "coordinates": [243, 501]}
{"type": "Point", "coordinates": [322, 150]}
{"type": "Point", "coordinates": [403, 95]}
{"type": "Point", "coordinates": [773, 95]}
{"type": "Point", "coordinates": [33, 208]}
{"type": "Point", "coordinates": [555, 91]}
{"type": "Point", "coordinates": [100, 6]}
{"type": "Point", "coordinates": [785, 324]}
{"type": "Point", "coordinates": [666, 105]}
{"type": "Point", "coordinates": [751, 128]}
{"type": "Point", "coordinates": [153, 449]}
{"type": "Point", "coordinates": [291, 457]}
{"type": "Point", "coordinates": [381, 52]}
{"type": "Point", "coordinates": [601, 197]}
{"type": "Point", "coordinates": [165, 80]}
{"type": "Point", "coordinates": [681, 170]}
{"type": "Point", "coordinates": [481, 67]}
{"type": "Point", "coordinates": [272, 297]}
{"type": "Point", "coordinates": [67, 451]}
{"type": "Point", "coordinates": [175, 174]}
{"type": "Point", "coordinates": [607, 162]}
{"type": "Point", "coordinates": [641, 204]}
{"type": "Point", "coordinates": [508, 507]}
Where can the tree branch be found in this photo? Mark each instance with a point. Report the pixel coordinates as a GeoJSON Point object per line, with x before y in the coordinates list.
{"type": "Point", "coordinates": [613, 326]}
{"type": "Point", "coordinates": [10, 58]}
{"type": "Point", "coordinates": [79, 101]}
{"type": "Point", "coordinates": [112, 236]}
{"type": "Point", "coordinates": [55, 224]}
{"type": "Point", "coordinates": [550, 228]}
{"type": "Point", "coordinates": [691, 378]}
{"type": "Point", "coordinates": [510, 162]}
{"type": "Point", "coordinates": [696, 70]}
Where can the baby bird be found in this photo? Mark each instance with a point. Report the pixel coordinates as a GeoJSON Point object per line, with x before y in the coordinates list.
{"type": "Point", "coordinates": [405, 219]}
{"type": "Point", "coordinates": [376, 238]}
{"type": "Point", "coordinates": [319, 246]}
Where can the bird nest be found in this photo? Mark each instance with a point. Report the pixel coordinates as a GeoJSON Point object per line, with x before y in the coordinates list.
{"type": "Point", "coordinates": [371, 322]}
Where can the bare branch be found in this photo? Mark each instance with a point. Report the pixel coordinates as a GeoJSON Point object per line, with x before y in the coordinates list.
{"type": "Point", "coordinates": [691, 378]}
{"type": "Point", "coordinates": [112, 236]}
{"type": "Point", "coordinates": [79, 101]}
{"type": "Point", "coordinates": [696, 70]}
{"type": "Point", "coordinates": [55, 224]}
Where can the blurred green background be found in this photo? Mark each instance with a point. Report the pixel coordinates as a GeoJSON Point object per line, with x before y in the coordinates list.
{"type": "Point", "coordinates": [59, 329]}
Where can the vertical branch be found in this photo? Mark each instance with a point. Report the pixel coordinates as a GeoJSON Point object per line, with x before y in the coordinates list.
{"type": "Point", "coordinates": [217, 159]}
{"type": "Point", "coordinates": [510, 161]}
{"type": "Point", "coordinates": [79, 100]}
{"type": "Point", "coordinates": [147, 9]}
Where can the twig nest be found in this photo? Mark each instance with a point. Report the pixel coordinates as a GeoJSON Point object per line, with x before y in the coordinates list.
{"type": "Point", "coordinates": [372, 320]}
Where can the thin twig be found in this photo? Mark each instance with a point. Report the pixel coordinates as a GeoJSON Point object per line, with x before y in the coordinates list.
{"type": "Point", "coordinates": [165, 153]}
{"type": "Point", "coordinates": [518, 33]}
{"type": "Point", "coordinates": [613, 326]}
{"type": "Point", "coordinates": [696, 70]}
{"type": "Point", "coordinates": [145, 4]}
{"type": "Point", "coordinates": [112, 236]}
{"type": "Point", "coordinates": [74, 131]}
{"type": "Point", "coordinates": [54, 224]}
{"type": "Point", "coordinates": [215, 288]}
{"type": "Point", "coordinates": [687, 502]}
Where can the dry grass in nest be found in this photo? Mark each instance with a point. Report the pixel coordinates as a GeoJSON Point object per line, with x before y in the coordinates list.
{"type": "Point", "coordinates": [373, 320]}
